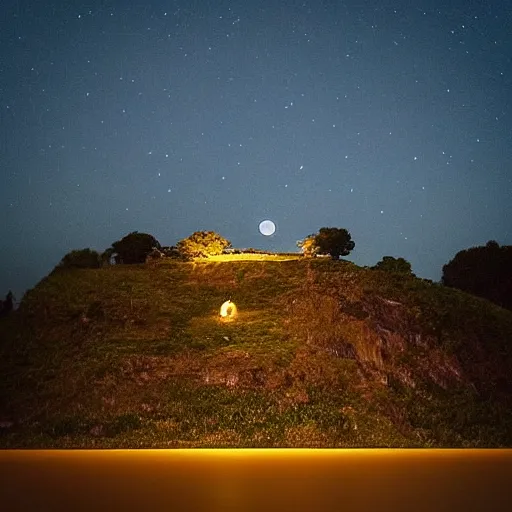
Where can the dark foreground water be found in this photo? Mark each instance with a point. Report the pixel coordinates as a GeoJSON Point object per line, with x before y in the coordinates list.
{"type": "Point", "coordinates": [256, 480]}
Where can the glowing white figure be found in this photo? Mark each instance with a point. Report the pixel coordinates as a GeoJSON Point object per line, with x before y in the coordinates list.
{"type": "Point", "coordinates": [228, 310]}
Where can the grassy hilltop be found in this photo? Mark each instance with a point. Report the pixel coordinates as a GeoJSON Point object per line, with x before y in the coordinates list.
{"type": "Point", "coordinates": [321, 354]}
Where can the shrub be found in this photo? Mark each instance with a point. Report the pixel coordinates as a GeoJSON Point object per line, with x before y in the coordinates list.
{"type": "Point", "coordinates": [134, 247]}
{"type": "Point", "coordinates": [482, 271]}
{"type": "Point", "coordinates": [395, 265]}
{"type": "Point", "coordinates": [202, 244]}
{"type": "Point", "coordinates": [334, 242]}
{"type": "Point", "coordinates": [80, 258]}
{"type": "Point", "coordinates": [307, 246]}
{"type": "Point", "coordinates": [171, 252]}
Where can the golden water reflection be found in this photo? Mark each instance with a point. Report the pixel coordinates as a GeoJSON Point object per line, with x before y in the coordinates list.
{"type": "Point", "coordinates": [259, 480]}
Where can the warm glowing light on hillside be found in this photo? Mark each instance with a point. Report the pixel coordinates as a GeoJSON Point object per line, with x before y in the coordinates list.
{"type": "Point", "coordinates": [228, 310]}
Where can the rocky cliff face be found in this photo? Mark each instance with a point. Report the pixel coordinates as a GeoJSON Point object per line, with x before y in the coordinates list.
{"type": "Point", "coordinates": [431, 350]}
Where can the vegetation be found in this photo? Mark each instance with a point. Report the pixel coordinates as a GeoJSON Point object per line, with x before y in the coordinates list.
{"type": "Point", "coordinates": [134, 248]}
{"type": "Point", "coordinates": [171, 252]}
{"type": "Point", "coordinates": [397, 265]}
{"type": "Point", "coordinates": [107, 256]}
{"type": "Point", "coordinates": [322, 354]}
{"type": "Point", "coordinates": [202, 244]}
{"type": "Point", "coordinates": [81, 258]}
{"type": "Point", "coordinates": [334, 242]}
{"type": "Point", "coordinates": [483, 271]}
{"type": "Point", "coordinates": [307, 246]}
{"type": "Point", "coordinates": [7, 304]}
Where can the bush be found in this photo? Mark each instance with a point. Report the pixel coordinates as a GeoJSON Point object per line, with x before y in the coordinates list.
{"type": "Point", "coordinates": [154, 255]}
{"type": "Point", "coordinates": [202, 244]}
{"type": "Point", "coordinates": [334, 242]}
{"type": "Point", "coordinates": [171, 252]}
{"type": "Point", "coordinates": [395, 265]}
{"type": "Point", "coordinates": [7, 304]}
{"type": "Point", "coordinates": [134, 248]}
{"type": "Point", "coordinates": [307, 246]}
{"type": "Point", "coordinates": [80, 258]}
{"type": "Point", "coordinates": [483, 271]}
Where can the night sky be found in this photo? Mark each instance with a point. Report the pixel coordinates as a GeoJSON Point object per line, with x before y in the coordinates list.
{"type": "Point", "coordinates": [392, 119]}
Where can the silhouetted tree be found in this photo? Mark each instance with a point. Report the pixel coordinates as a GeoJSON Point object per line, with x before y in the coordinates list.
{"type": "Point", "coordinates": [7, 304]}
{"type": "Point", "coordinates": [333, 241]}
{"type": "Point", "coordinates": [202, 244]}
{"type": "Point", "coordinates": [134, 248]}
{"type": "Point", "coordinates": [482, 271]}
{"type": "Point", "coordinates": [396, 265]}
{"type": "Point", "coordinates": [492, 244]}
{"type": "Point", "coordinates": [79, 258]}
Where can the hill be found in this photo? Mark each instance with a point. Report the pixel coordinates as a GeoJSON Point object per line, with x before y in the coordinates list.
{"type": "Point", "coordinates": [321, 354]}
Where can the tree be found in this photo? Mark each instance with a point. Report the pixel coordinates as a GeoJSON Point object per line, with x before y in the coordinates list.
{"type": "Point", "coordinates": [492, 244]}
{"type": "Point", "coordinates": [134, 247]}
{"type": "Point", "coordinates": [482, 271]}
{"type": "Point", "coordinates": [7, 304]}
{"type": "Point", "coordinates": [333, 241]}
{"type": "Point", "coordinates": [80, 258]}
{"type": "Point", "coordinates": [395, 265]}
{"type": "Point", "coordinates": [202, 244]}
{"type": "Point", "coordinates": [307, 246]}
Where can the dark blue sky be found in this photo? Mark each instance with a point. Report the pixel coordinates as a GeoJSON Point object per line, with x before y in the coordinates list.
{"type": "Point", "coordinates": [389, 118]}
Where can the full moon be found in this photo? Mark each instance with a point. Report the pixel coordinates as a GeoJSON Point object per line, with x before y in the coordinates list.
{"type": "Point", "coordinates": [267, 227]}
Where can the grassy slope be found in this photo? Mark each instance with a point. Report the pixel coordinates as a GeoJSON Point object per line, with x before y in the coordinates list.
{"type": "Point", "coordinates": [322, 354]}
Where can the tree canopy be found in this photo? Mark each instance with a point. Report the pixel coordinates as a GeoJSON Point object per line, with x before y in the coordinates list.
{"type": "Point", "coordinates": [202, 244]}
{"type": "Point", "coordinates": [134, 247]}
{"type": "Point", "coordinates": [307, 246]}
{"type": "Point", "coordinates": [335, 242]}
{"type": "Point", "coordinates": [396, 265]}
{"type": "Point", "coordinates": [80, 258]}
{"type": "Point", "coordinates": [6, 305]}
{"type": "Point", "coordinates": [482, 271]}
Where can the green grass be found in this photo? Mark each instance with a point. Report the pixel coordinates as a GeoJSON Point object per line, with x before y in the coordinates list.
{"type": "Point", "coordinates": [322, 353]}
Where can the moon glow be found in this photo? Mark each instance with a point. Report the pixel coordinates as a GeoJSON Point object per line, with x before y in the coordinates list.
{"type": "Point", "coordinates": [267, 227]}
